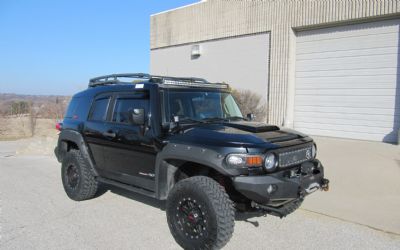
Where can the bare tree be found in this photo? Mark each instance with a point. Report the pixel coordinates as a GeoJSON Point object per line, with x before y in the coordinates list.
{"type": "Point", "coordinates": [19, 108]}
{"type": "Point", "coordinates": [33, 114]}
{"type": "Point", "coordinates": [3, 126]}
{"type": "Point", "coordinates": [251, 102]}
{"type": "Point", "coordinates": [54, 109]}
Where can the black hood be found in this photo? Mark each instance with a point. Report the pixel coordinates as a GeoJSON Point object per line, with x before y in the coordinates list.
{"type": "Point", "coordinates": [234, 134]}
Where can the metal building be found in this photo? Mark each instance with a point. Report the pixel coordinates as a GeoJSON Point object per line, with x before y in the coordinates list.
{"type": "Point", "coordinates": [326, 67]}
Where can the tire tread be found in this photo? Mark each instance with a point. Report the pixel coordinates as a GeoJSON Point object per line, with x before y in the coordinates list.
{"type": "Point", "coordinates": [222, 205]}
{"type": "Point", "coordinates": [90, 185]}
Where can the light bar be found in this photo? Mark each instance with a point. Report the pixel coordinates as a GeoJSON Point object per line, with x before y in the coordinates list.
{"type": "Point", "coordinates": [195, 84]}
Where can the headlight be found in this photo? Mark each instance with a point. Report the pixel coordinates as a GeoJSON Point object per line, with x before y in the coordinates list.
{"type": "Point", "coordinates": [270, 162]}
{"type": "Point", "coordinates": [236, 160]}
{"type": "Point", "coordinates": [314, 151]}
{"type": "Point", "coordinates": [244, 160]}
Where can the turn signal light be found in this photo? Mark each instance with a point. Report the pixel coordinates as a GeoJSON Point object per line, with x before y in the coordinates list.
{"type": "Point", "coordinates": [254, 161]}
{"type": "Point", "coordinates": [244, 160]}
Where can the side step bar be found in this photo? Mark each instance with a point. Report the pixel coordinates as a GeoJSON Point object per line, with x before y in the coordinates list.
{"type": "Point", "coordinates": [127, 187]}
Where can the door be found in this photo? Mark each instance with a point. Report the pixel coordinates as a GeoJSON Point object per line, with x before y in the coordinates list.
{"type": "Point", "coordinates": [129, 150]}
{"type": "Point", "coordinates": [95, 128]}
{"type": "Point", "coordinates": [347, 81]}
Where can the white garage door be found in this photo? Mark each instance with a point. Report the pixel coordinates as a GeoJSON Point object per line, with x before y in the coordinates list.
{"type": "Point", "coordinates": [347, 81]}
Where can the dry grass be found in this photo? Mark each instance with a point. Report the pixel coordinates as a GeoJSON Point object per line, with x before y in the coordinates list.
{"type": "Point", "coordinates": [18, 127]}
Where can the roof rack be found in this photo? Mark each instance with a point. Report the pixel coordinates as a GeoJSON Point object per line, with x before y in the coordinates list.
{"type": "Point", "coordinates": [112, 79]}
{"type": "Point", "coordinates": [165, 80]}
{"type": "Point", "coordinates": [162, 79]}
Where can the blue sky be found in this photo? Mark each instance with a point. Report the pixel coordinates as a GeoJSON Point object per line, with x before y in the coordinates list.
{"type": "Point", "coordinates": [54, 47]}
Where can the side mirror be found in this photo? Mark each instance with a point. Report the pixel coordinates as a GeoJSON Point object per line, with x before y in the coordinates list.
{"type": "Point", "coordinates": [250, 116]}
{"type": "Point", "coordinates": [136, 116]}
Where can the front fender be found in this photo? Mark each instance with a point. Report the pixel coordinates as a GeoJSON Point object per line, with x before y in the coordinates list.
{"type": "Point", "coordinates": [165, 171]}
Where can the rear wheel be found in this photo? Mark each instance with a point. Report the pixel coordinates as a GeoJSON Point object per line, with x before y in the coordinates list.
{"type": "Point", "coordinates": [200, 214]}
{"type": "Point", "coordinates": [78, 180]}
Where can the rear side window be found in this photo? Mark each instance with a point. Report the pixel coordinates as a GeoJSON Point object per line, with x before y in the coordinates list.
{"type": "Point", "coordinates": [125, 105]}
{"type": "Point", "coordinates": [73, 105]}
{"type": "Point", "coordinates": [99, 111]}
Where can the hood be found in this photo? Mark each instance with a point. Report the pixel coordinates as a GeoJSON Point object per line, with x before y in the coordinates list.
{"type": "Point", "coordinates": [238, 134]}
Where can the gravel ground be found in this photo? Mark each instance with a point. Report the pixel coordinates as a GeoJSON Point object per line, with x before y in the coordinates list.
{"type": "Point", "coordinates": [36, 214]}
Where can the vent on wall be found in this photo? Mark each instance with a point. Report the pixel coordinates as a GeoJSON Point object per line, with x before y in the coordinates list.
{"type": "Point", "coordinates": [196, 51]}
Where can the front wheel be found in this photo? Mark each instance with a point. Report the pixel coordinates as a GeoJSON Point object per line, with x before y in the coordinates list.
{"type": "Point", "coordinates": [200, 214]}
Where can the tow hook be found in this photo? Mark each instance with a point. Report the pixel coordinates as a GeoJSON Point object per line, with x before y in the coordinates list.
{"type": "Point", "coordinates": [312, 188]}
{"type": "Point", "coordinates": [325, 184]}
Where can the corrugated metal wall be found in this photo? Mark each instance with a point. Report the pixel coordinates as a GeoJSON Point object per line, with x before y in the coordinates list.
{"type": "Point", "coordinates": [215, 19]}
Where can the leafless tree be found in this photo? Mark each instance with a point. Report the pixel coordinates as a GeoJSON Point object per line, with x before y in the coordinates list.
{"type": "Point", "coordinates": [33, 114]}
{"type": "Point", "coordinates": [2, 126]}
{"type": "Point", "coordinates": [19, 108]}
{"type": "Point", "coordinates": [251, 102]}
{"type": "Point", "coordinates": [54, 109]}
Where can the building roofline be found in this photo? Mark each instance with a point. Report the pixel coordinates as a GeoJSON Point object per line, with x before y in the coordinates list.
{"type": "Point", "coordinates": [181, 7]}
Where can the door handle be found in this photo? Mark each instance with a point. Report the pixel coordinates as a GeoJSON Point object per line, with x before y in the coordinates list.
{"type": "Point", "coordinates": [110, 134]}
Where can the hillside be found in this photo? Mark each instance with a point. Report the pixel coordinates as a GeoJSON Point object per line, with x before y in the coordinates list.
{"type": "Point", "coordinates": [44, 106]}
{"type": "Point", "coordinates": [24, 116]}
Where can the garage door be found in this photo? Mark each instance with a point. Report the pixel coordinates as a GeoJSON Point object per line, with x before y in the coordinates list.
{"type": "Point", "coordinates": [347, 81]}
{"type": "Point", "coordinates": [240, 61]}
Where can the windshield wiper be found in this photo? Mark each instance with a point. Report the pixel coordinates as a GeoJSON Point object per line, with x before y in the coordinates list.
{"type": "Point", "coordinates": [236, 118]}
{"type": "Point", "coordinates": [190, 120]}
{"type": "Point", "coordinates": [214, 119]}
{"type": "Point", "coordinates": [177, 126]}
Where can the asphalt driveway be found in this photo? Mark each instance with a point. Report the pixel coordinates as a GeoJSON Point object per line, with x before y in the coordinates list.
{"type": "Point", "coordinates": [36, 214]}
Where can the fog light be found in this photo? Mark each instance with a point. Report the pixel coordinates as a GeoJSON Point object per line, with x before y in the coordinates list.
{"type": "Point", "coordinates": [271, 188]}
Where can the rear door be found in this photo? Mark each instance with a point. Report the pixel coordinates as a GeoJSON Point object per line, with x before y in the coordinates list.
{"type": "Point", "coordinates": [95, 129]}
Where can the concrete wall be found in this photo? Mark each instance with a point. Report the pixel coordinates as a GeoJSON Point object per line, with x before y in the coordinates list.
{"type": "Point", "coordinates": [215, 19]}
{"type": "Point", "coordinates": [242, 62]}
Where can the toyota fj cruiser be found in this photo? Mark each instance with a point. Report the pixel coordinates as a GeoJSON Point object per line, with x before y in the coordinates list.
{"type": "Point", "coordinates": [184, 140]}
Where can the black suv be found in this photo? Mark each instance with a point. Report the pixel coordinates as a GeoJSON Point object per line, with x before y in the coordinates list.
{"type": "Point", "coordinates": [184, 140]}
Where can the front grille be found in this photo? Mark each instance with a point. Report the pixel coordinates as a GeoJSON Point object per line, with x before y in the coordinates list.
{"type": "Point", "coordinates": [290, 158]}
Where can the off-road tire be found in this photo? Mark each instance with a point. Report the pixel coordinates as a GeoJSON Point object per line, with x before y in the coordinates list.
{"type": "Point", "coordinates": [217, 213]}
{"type": "Point", "coordinates": [87, 185]}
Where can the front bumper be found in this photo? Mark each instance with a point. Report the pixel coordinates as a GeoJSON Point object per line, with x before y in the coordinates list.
{"type": "Point", "coordinates": [284, 186]}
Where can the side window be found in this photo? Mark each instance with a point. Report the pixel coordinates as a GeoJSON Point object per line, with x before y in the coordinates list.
{"type": "Point", "coordinates": [125, 105]}
{"type": "Point", "coordinates": [99, 111]}
{"type": "Point", "coordinates": [73, 105]}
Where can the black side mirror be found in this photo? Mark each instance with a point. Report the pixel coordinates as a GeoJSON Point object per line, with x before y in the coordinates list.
{"type": "Point", "coordinates": [250, 116]}
{"type": "Point", "coordinates": [136, 116]}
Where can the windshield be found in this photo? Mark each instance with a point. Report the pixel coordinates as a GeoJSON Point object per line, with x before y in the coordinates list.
{"type": "Point", "coordinates": [200, 105]}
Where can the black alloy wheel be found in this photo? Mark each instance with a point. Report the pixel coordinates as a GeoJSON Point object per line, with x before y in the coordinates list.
{"type": "Point", "coordinates": [200, 214]}
{"type": "Point", "coordinates": [191, 219]}
{"type": "Point", "coordinates": [72, 176]}
{"type": "Point", "coordinates": [77, 177]}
